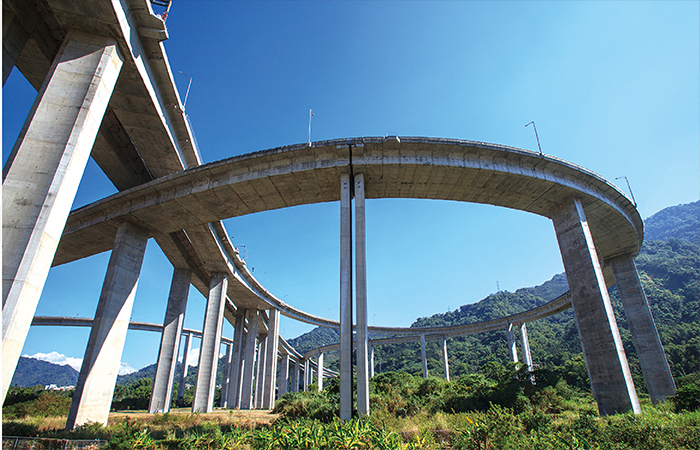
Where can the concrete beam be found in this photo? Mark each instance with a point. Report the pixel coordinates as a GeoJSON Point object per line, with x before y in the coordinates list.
{"type": "Point", "coordinates": [611, 380]}
{"type": "Point", "coordinates": [360, 299]}
{"type": "Point", "coordinates": [183, 371]}
{"type": "Point", "coordinates": [423, 356]}
{"type": "Point", "coordinates": [98, 373]}
{"type": "Point", "coordinates": [234, 390]}
{"type": "Point", "coordinates": [650, 351]}
{"type": "Point", "coordinates": [169, 341]}
{"type": "Point", "coordinates": [270, 381]}
{"type": "Point", "coordinates": [203, 400]}
{"type": "Point", "coordinates": [283, 377]}
{"type": "Point", "coordinates": [346, 384]}
{"type": "Point", "coordinates": [512, 348]}
{"type": "Point", "coordinates": [249, 363]}
{"type": "Point", "coordinates": [319, 364]}
{"type": "Point", "coordinates": [42, 174]}
{"type": "Point", "coordinates": [445, 361]}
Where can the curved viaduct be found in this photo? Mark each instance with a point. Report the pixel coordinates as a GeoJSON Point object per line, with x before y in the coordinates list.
{"type": "Point", "coordinates": [125, 111]}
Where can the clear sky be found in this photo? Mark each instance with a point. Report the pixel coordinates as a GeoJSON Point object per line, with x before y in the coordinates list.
{"type": "Point", "coordinates": [611, 86]}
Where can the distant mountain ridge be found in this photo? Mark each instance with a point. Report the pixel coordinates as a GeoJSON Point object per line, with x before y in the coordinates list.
{"type": "Point", "coordinates": [680, 222]}
{"type": "Point", "coordinates": [31, 372]}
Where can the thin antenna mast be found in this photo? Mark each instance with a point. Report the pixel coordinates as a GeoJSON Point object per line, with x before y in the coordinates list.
{"type": "Point", "coordinates": [310, 115]}
{"type": "Point", "coordinates": [536, 136]}
{"type": "Point", "coordinates": [630, 189]}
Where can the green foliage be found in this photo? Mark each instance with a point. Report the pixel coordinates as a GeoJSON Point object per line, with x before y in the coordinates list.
{"type": "Point", "coordinates": [35, 402]}
{"type": "Point", "coordinates": [688, 393]}
{"type": "Point", "coordinates": [133, 396]}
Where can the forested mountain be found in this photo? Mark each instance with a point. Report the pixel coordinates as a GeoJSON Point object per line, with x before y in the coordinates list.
{"type": "Point", "coordinates": [31, 372]}
{"type": "Point", "coordinates": [669, 267]}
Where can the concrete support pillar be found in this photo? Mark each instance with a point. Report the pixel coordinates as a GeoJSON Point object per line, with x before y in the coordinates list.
{"type": "Point", "coordinates": [205, 387]}
{"type": "Point", "coordinates": [234, 384]}
{"type": "Point", "coordinates": [371, 361]}
{"type": "Point", "coordinates": [249, 364]}
{"type": "Point", "coordinates": [652, 358]}
{"type": "Point", "coordinates": [223, 402]}
{"type": "Point", "coordinates": [260, 373]}
{"type": "Point", "coordinates": [361, 299]}
{"type": "Point", "coordinates": [423, 356]}
{"type": "Point", "coordinates": [307, 374]}
{"type": "Point", "coordinates": [295, 376]}
{"type": "Point", "coordinates": [346, 382]}
{"type": "Point", "coordinates": [320, 372]}
{"type": "Point", "coordinates": [527, 356]}
{"type": "Point", "coordinates": [270, 382]}
{"type": "Point", "coordinates": [42, 174]}
{"type": "Point", "coordinates": [512, 348]}
{"type": "Point", "coordinates": [98, 374]}
{"type": "Point", "coordinates": [445, 361]}
{"type": "Point", "coordinates": [169, 342]}
{"type": "Point", "coordinates": [611, 381]}
{"type": "Point", "coordinates": [283, 377]}
{"type": "Point", "coordinates": [183, 372]}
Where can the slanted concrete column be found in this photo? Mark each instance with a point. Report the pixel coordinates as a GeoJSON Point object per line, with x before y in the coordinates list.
{"type": "Point", "coordinates": [183, 372]}
{"type": "Point", "coordinates": [346, 384]}
{"type": "Point", "coordinates": [527, 357]}
{"type": "Point", "coordinates": [234, 384]}
{"type": "Point", "coordinates": [320, 372]}
{"type": "Point", "coordinates": [295, 376]}
{"type": "Point", "coordinates": [445, 362]}
{"type": "Point", "coordinates": [260, 374]}
{"type": "Point", "coordinates": [205, 387]}
{"type": "Point", "coordinates": [223, 402]}
{"type": "Point", "coordinates": [512, 349]}
{"type": "Point", "coordinates": [169, 342]}
{"type": "Point", "coordinates": [283, 377]}
{"type": "Point", "coordinates": [611, 381]}
{"type": "Point", "coordinates": [42, 174]}
{"type": "Point", "coordinates": [423, 356]}
{"type": "Point", "coordinates": [270, 381]}
{"type": "Point", "coordinates": [371, 361]}
{"type": "Point", "coordinates": [360, 299]}
{"type": "Point", "coordinates": [652, 358]}
{"type": "Point", "coordinates": [249, 364]}
{"type": "Point", "coordinates": [98, 374]}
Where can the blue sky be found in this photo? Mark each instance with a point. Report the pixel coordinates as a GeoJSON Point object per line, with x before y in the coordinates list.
{"type": "Point", "coordinates": [612, 86]}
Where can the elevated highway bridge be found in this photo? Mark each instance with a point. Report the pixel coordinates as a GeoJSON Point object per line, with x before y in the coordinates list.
{"type": "Point", "coordinates": [106, 90]}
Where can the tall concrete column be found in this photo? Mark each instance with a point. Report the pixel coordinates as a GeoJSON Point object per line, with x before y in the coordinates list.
{"type": "Point", "coordinates": [295, 376]}
{"type": "Point", "coordinates": [512, 349]}
{"type": "Point", "coordinates": [346, 384]}
{"type": "Point", "coordinates": [261, 368]}
{"type": "Point", "coordinates": [371, 361]}
{"type": "Point", "coordinates": [527, 356]}
{"type": "Point", "coordinates": [320, 372]}
{"type": "Point", "coordinates": [423, 356]}
{"type": "Point", "coordinates": [249, 365]}
{"type": "Point", "coordinates": [98, 373]}
{"type": "Point", "coordinates": [42, 174]}
{"type": "Point", "coordinates": [283, 378]}
{"type": "Point", "coordinates": [234, 385]}
{"type": "Point", "coordinates": [611, 381]}
{"type": "Point", "coordinates": [183, 372]}
{"type": "Point", "coordinates": [169, 342]}
{"type": "Point", "coordinates": [223, 402]}
{"type": "Point", "coordinates": [361, 299]}
{"type": "Point", "coordinates": [652, 358]}
{"type": "Point", "coordinates": [205, 387]}
{"type": "Point", "coordinates": [445, 361]}
{"type": "Point", "coordinates": [270, 381]}
{"type": "Point", "coordinates": [307, 374]}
